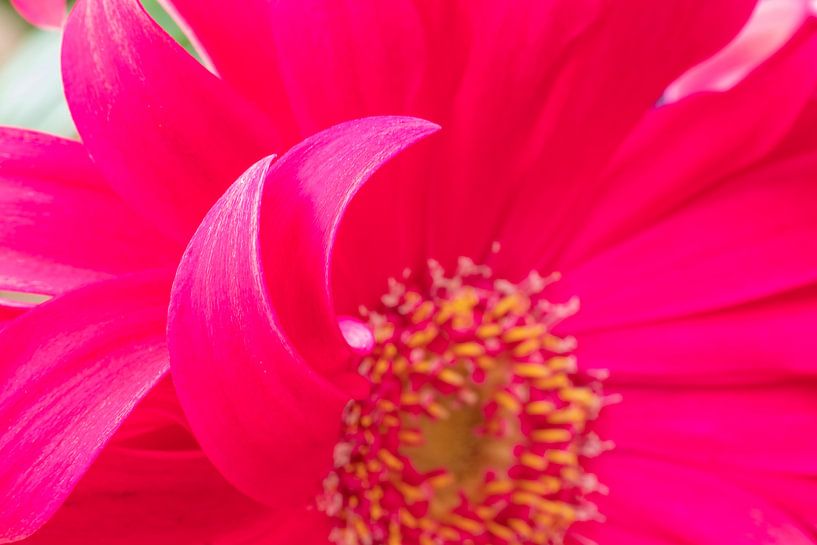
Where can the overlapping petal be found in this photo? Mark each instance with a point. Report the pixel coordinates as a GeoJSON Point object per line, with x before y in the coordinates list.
{"type": "Point", "coordinates": [62, 227]}
{"type": "Point", "coordinates": [9, 312]}
{"type": "Point", "coordinates": [770, 27]}
{"type": "Point", "coordinates": [564, 134]}
{"type": "Point", "coordinates": [681, 150]}
{"type": "Point", "coordinates": [333, 60]}
{"type": "Point", "coordinates": [257, 356]}
{"type": "Point", "coordinates": [131, 497]}
{"type": "Point", "coordinates": [44, 13]}
{"type": "Point", "coordinates": [72, 370]}
{"type": "Point", "coordinates": [716, 252]}
{"type": "Point", "coordinates": [168, 135]}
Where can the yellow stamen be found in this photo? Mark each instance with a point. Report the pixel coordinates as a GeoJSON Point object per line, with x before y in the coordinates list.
{"type": "Point", "coordinates": [551, 435]}
{"type": "Point", "coordinates": [540, 407]}
{"type": "Point", "coordinates": [469, 350]}
{"type": "Point", "coordinates": [522, 333]}
{"type": "Point", "coordinates": [532, 370]}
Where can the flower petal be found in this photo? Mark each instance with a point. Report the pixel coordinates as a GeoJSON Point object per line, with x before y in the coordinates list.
{"type": "Point", "coordinates": [370, 54]}
{"type": "Point", "coordinates": [681, 150]}
{"type": "Point", "coordinates": [746, 344]}
{"type": "Point", "coordinates": [167, 134]}
{"type": "Point", "coordinates": [62, 227]}
{"type": "Point", "coordinates": [752, 237]}
{"type": "Point", "coordinates": [9, 312]}
{"type": "Point", "coordinates": [558, 133]}
{"type": "Point", "coordinates": [257, 355]}
{"type": "Point", "coordinates": [760, 428]}
{"type": "Point", "coordinates": [72, 369]}
{"type": "Point", "coordinates": [134, 498]}
{"type": "Point", "coordinates": [796, 494]}
{"type": "Point", "coordinates": [771, 25]}
{"type": "Point", "coordinates": [684, 505]}
{"type": "Point", "coordinates": [43, 13]}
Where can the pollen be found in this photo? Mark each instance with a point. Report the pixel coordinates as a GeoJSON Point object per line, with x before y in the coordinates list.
{"type": "Point", "coordinates": [478, 421]}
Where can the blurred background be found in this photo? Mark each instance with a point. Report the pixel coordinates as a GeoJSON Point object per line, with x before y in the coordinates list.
{"type": "Point", "coordinates": [30, 85]}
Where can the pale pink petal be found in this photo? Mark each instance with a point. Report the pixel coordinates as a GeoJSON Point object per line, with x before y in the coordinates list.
{"type": "Point", "coordinates": [681, 505]}
{"type": "Point", "coordinates": [168, 135]}
{"type": "Point", "coordinates": [772, 24]}
{"type": "Point", "coordinates": [72, 369]}
{"type": "Point", "coordinates": [43, 13]}
{"type": "Point", "coordinates": [62, 227]}
{"type": "Point", "coordinates": [257, 356]}
{"type": "Point", "coordinates": [681, 150]}
{"type": "Point", "coordinates": [748, 344]}
{"type": "Point", "coordinates": [758, 428]}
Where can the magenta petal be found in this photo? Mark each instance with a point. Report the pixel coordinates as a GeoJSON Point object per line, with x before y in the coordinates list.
{"type": "Point", "coordinates": [768, 340]}
{"type": "Point", "coordinates": [144, 498]}
{"type": "Point", "coordinates": [771, 25]}
{"type": "Point", "coordinates": [750, 428]}
{"type": "Point", "coordinates": [676, 504]}
{"type": "Point", "coordinates": [681, 150]}
{"type": "Point", "coordinates": [43, 13]}
{"type": "Point", "coordinates": [751, 238]}
{"type": "Point", "coordinates": [168, 135]}
{"type": "Point", "coordinates": [9, 312]}
{"type": "Point", "coordinates": [257, 355]}
{"type": "Point", "coordinates": [610, 77]}
{"type": "Point", "coordinates": [62, 227]}
{"type": "Point", "coordinates": [797, 494]}
{"type": "Point", "coordinates": [72, 369]}
{"type": "Point", "coordinates": [370, 54]}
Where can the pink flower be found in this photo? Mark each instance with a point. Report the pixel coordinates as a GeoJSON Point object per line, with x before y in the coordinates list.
{"type": "Point", "coordinates": [687, 232]}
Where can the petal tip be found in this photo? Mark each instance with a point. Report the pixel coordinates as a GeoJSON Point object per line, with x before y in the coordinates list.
{"type": "Point", "coordinates": [46, 14]}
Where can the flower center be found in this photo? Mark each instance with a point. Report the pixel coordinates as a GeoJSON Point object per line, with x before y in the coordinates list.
{"type": "Point", "coordinates": [476, 424]}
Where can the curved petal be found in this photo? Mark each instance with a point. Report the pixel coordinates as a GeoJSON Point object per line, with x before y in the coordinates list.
{"type": "Point", "coordinates": [684, 505]}
{"type": "Point", "coordinates": [681, 150]}
{"type": "Point", "coordinates": [761, 428]}
{"type": "Point", "coordinates": [62, 227]}
{"type": "Point", "coordinates": [253, 336]}
{"type": "Point", "coordinates": [771, 25]}
{"type": "Point", "coordinates": [168, 135]}
{"type": "Point", "coordinates": [43, 13]}
{"type": "Point", "coordinates": [72, 369]}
